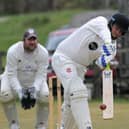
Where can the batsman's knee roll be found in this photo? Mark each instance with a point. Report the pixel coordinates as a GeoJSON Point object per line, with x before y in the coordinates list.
{"type": "Point", "coordinates": [77, 89]}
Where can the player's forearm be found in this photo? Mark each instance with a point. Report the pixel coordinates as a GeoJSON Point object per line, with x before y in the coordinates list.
{"type": "Point", "coordinates": [14, 83]}
{"type": "Point", "coordinates": [103, 60]}
{"type": "Point", "coordinates": [40, 78]}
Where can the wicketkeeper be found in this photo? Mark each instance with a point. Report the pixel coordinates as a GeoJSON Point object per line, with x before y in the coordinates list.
{"type": "Point", "coordinates": [95, 40]}
{"type": "Point", "coordinates": [25, 78]}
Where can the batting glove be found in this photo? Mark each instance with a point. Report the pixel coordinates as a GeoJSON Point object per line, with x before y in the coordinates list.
{"type": "Point", "coordinates": [108, 49]}
{"type": "Point", "coordinates": [102, 61]}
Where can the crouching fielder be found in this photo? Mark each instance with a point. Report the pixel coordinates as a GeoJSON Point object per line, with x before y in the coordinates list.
{"type": "Point", "coordinates": [95, 40]}
{"type": "Point", "coordinates": [25, 78]}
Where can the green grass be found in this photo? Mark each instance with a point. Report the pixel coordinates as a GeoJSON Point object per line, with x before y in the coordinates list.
{"type": "Point", "coordinates": [120, 120]}
{"type": "Point", "coordinates": [12, 27]}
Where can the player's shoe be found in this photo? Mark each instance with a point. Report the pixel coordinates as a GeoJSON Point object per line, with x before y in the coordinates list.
{"type": "Point", "coordinates": [14, 126]}
{"type": "Point", "coordinates": [40, 126]}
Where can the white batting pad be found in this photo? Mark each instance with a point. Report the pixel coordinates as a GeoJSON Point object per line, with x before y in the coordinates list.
{"type": "Point", "coordinates": [79, 104]}
{"type": "Point", "coordinates": [68, 121]}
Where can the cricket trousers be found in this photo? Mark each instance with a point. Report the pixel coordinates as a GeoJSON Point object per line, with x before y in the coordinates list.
{"type": "Point", "coordinates": [75, 102]}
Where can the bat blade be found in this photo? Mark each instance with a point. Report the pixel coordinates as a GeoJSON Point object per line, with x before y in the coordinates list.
{"type": "Point", "coordinates": [107, 93]}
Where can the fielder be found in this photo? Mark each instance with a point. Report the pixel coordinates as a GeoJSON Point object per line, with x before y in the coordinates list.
{"type": "Point", "coordinates": [25, 77]}
{"type": "Point", "coordinates": [94, 41]}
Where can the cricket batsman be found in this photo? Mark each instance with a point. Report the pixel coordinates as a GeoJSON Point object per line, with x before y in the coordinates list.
{"type": "Point", "coordinates": [25, 78]}
{"type": "Point", "coordinates": [93, 41]}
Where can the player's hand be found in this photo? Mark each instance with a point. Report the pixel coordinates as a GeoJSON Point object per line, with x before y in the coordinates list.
{"type": "Point", "coordinates": [107, 49]}
{"type": "Point", "coordinates": [32, 96]}
{"type": "Point", "coordinates": [103, 60]}
{"type": "Point", "coordinates": [27, 97]}
{"type": "Point", "coordinates": [24, 98]}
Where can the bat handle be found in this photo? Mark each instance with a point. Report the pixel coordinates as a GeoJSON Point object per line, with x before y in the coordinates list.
{"type": "Point", "coordinates": [108, 67]}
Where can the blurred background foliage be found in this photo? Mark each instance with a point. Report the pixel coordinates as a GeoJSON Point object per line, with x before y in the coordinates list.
{"type": "Point", "coordinates": [44, 15]}
{"type": "Point", "coordinates": [25, 6]}
{"type": "Point", "coordinates": [13, 27]}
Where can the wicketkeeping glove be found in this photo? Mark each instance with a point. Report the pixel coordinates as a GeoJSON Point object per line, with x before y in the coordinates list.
{"type": "Point", "coordinates": [25, 101]}
{"type": "Point", "coordinates": [32, 96]}
{"type": "Point", "coordinates": [27, 97]}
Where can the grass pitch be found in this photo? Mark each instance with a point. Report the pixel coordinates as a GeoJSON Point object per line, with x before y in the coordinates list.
{"type": "Point", "coordinates": [120, 120]}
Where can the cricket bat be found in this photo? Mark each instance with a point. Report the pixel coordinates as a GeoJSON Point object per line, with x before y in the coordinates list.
{"type": "Point", "coordinates": [107, 86]}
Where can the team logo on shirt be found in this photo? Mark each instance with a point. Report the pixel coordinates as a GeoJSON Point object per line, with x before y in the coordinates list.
{"type": "Point", "coordinates": [68, 70]}
{"type": "Point", "coordinates": [93, 46]}
{"type": "Point", "coordinates": [19, 60]}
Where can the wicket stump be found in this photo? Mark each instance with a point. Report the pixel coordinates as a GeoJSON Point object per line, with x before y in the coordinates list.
{"type": "Point", "coordinates": [51, 102]}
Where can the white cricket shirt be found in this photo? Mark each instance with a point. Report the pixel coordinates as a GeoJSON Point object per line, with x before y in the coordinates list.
{"type": "Point", "coordinates": [77, 45]}
{"type": "Point", "coordinates": [26, 69]}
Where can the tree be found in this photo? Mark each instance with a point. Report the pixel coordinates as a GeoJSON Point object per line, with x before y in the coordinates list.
{"type": "Point", "coordinates": [123, 6]}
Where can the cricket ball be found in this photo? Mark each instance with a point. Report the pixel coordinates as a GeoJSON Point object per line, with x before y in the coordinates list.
{"type": "Point", "coordinates": [102, 106]}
